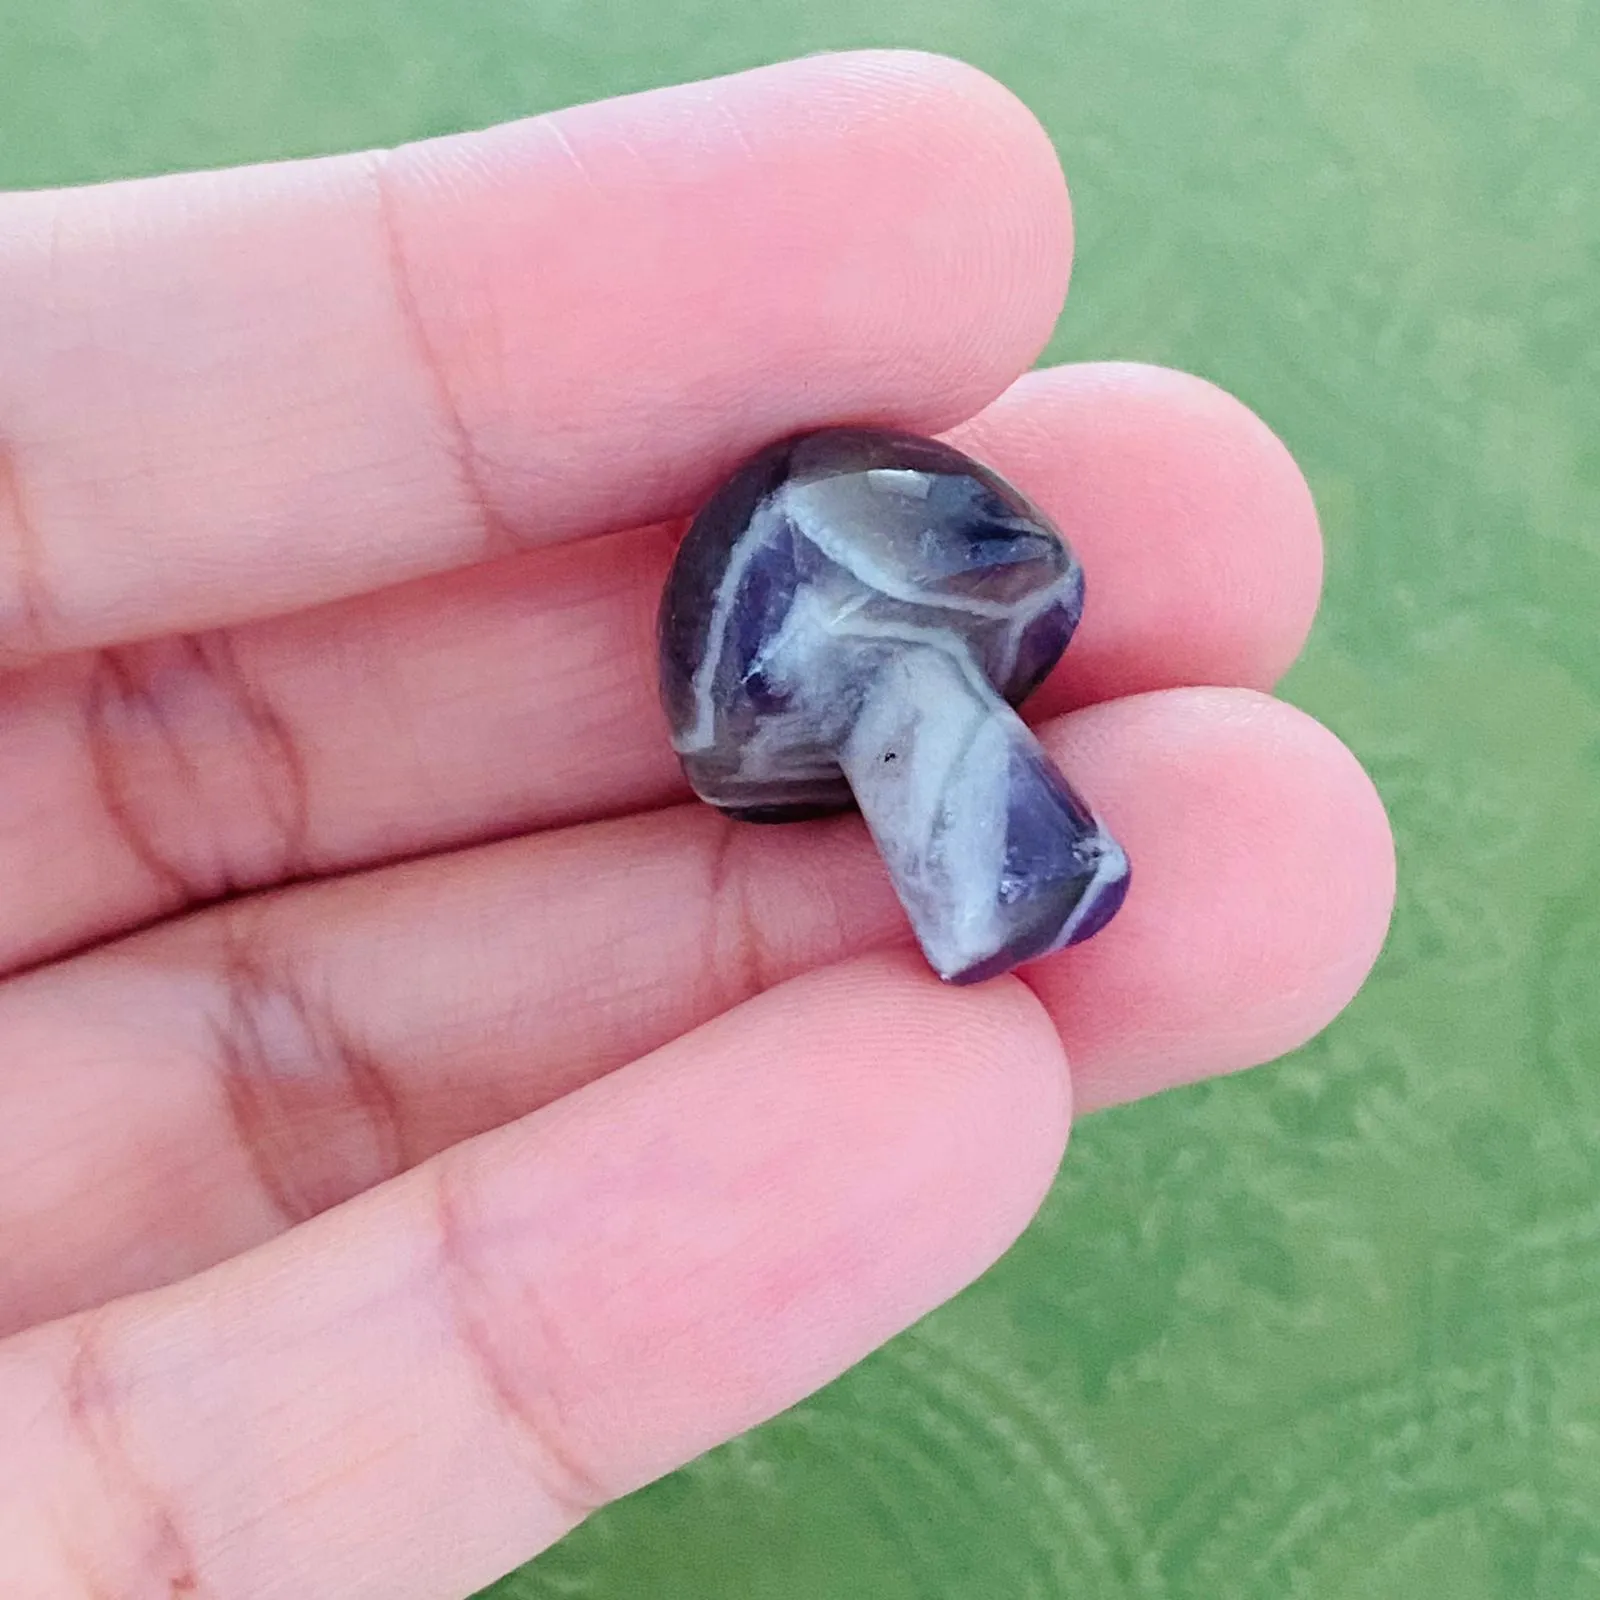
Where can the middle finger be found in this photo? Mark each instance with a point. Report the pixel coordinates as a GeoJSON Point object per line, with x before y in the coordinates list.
{"type": "Point", "coordinates": [522, 695]}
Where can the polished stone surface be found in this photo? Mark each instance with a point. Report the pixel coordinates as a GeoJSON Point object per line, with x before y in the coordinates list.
{"type": "Point", "coordinates": [850, 621]}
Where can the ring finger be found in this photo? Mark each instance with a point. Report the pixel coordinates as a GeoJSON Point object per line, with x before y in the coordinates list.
{"type": "Point", "coordinates": [272, 1058]}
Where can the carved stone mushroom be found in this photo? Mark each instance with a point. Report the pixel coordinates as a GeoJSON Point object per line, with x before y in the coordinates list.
{"type": "Point", "coordinates": [850, 621]}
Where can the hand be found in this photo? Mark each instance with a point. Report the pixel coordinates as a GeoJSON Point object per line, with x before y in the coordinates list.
{"type": "Point", "coordinates": [418, 1124]}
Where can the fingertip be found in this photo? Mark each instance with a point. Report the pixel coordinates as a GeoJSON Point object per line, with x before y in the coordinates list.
{"type": "Point", "coordinates": [1196, 528]}
{"type": "Point", "coordinates": [1248, 478]}
{"type": "Point", "coordinates": [1003, 232]}
{"type": "Point", "coordinates": [1250, 927]}
{"type": "Point", "coordinates": [989, 139]}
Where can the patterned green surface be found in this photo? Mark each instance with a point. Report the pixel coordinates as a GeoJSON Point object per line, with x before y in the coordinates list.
{"type": "Point", "coordinates": [1333, 1329]}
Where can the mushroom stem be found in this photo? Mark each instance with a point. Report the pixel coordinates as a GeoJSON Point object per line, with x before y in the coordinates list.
{"type": "Point", "coordinates": [994, 856]}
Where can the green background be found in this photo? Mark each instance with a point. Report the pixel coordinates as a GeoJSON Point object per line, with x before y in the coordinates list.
{"type": "Point", "coordinates": [1331, 1329]}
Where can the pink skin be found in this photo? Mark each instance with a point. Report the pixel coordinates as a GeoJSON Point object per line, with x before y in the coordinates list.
{"type": "Point", "coordinates": [458, 1195]}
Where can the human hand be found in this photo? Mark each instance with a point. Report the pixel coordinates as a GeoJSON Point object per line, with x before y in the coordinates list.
{"type": "Point", "coordinates": [378, 1198]}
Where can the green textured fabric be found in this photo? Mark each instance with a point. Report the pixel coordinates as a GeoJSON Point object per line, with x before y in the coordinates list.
{"type": "Point", "coordinates": [1331, 1329]}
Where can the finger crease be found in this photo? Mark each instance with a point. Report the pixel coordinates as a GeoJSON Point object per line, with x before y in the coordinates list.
{"type": "Point", "coordinates": [160, 1558]}
{"type": "Point", "coordinates": [494, 537]}
{"type": "Point", "coordinates": [27, 613]}
{"type": "Point", "coordinates": [200, 775]}
{"type": "Point", "coordinates": [497, 1352]}
{"type": "Point", "coordinates": [736, 942]}
{"type": "Point", "coordinates": [315, 1113]}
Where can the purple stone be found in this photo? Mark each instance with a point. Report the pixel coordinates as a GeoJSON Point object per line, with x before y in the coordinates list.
{"type": "Point", "coordinates": [850, 622]}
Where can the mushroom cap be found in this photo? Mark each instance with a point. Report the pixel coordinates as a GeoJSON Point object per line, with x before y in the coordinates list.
{"type": "Point", "coordinates": [814, 560]}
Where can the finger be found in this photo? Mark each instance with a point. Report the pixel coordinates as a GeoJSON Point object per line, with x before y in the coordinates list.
{"type": "Point", "coordinates": [524, 694]}
{"type": "Point", "coordinates": [271, 1060]}
{"type": "Point", "coordinates": [231, 394]}
{"type": "Point", "coordinates": [482, 1351]}
{"type": "Point", "coordinates": [1195, 527]}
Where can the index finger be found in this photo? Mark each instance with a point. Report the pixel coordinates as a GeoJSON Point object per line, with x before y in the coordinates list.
{"type": "Point", "coordinates": [231, 394]}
